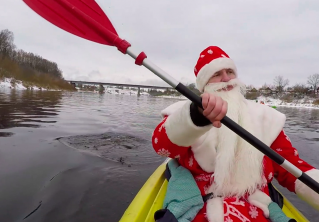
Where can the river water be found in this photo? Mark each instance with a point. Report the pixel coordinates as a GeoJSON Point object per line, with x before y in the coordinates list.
{"type": "Point", "coordinates": [71, 156]}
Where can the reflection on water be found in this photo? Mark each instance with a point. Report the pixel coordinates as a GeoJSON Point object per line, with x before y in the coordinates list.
{"type": "Point", "coordinates": [27, 109]}
{"type": "Point", "coordinates": [124, 148]}
{"type": "Point", "coordinates": [302, 124]}
{"type": "Point", "coordinates": [5, 134]}
{"type": "Point", "coordinates": [44, 180]}
{"type": "Point", "coordinates": [301, 118]}
{"type": "Point", "coordinates": [61, 184]}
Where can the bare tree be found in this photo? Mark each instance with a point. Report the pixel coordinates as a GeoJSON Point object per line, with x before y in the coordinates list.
{"type": "Point", "coordinates": [280, 83]}
{"type": "Point", "coordinates": [24, 59]}
{"type": "Point", "coordinates": [6, 42]}
{"type": "Point", "coordinates": [313, 81]}
{"type": "Point", "coordinates": [193, 88]}
{"type": "Point", "coordinates": [265, 86]}
{"type": "Point", "coordinates": [300, 87]}
{"type": "Point", "coordinates": [299, 90]}
{"type": "Point", "coordinates": [249, 87]}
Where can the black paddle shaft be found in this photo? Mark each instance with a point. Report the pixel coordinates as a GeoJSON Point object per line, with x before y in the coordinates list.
{"type": "Point", "coordinates": [98, 31]}
{"type": "Point", "coordinates": [234, 127]}
{"type": "Point", "coordinates": [314, 185]}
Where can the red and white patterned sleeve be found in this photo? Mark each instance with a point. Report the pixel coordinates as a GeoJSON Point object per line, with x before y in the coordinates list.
{"type": "Point", "coordinates": [282, 145]}
{"type": "Point", "coordinates": [163, 145]}
{"type": "Point", "coordinates": [177, 132]}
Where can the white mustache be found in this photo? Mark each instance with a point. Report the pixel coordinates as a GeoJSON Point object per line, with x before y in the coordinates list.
{"type": "Point", "coordinates": [216, 87]}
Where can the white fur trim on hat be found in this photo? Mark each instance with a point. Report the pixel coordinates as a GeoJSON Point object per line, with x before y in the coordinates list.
{"type": "Point", "coordinates": [209, 70]}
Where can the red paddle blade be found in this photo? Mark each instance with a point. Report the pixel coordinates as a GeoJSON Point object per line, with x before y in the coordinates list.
{"type": "Point", "coordinates": [83, 18]}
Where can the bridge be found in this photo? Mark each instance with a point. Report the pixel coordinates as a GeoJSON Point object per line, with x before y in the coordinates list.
{"type": "Point", "coordinates": [76, 82]}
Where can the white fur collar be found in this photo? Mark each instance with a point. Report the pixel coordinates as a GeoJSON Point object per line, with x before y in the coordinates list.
{"type": "Point", "coordinates": [272, 120]}
{"type": "Point", "coordinates": [267, 124]}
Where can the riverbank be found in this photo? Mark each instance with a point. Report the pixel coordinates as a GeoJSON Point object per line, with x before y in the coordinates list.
{"type": "Point", "coordinates": [131, 92]}
{"type": "Point", "coordinates": [12, 83]}
{"type": "Point", "coordinates": [306, 102]}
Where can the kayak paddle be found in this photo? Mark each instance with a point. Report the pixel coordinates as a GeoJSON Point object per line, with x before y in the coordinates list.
{"type": "Point", "coordinates": [85, 18]}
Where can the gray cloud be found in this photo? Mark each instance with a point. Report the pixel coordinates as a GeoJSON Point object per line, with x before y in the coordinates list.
{"type": "Point", "coordinates": [265, 39]}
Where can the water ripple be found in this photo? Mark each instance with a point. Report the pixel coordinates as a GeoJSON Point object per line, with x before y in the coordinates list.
{"type": "Point", "coordinates": [126, 149]}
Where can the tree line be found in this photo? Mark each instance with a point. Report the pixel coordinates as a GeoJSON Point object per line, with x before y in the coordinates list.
{"type": "Point", "coordinates": [281, 89]}
{"type": "Point", "coordinates": [27, 66]}
{"type": "Point", "coordinates": [280, 85]}
{"type": "Point", "coordinates": [278, 89]}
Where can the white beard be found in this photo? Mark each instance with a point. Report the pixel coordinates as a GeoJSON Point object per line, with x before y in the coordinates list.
{"type": "Point", "coordinates": [239, 167]}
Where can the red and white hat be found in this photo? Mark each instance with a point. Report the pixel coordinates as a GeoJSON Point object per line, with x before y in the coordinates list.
{"type": "Point", "coordinates": [211, 60]}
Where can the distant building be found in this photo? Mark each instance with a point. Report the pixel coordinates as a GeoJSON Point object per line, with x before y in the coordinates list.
{"type": "Point", "coordinates": [253, 90]}
{"type": "Point", "coordinates": [265, 90]}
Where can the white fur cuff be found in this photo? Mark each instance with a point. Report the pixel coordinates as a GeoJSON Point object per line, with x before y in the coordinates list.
{"type": "Point", "coordinates": [260, 200]}
{"type": "Point", "coordinates": [215, 210]}
{"type": "Point", "coordinates": [180, 128]}
{"type": "Point", "coordinates": [307, 194]}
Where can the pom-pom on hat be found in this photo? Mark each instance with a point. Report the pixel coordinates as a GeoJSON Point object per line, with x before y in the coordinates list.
{"type": "Point", "coordinates": [210, 61]}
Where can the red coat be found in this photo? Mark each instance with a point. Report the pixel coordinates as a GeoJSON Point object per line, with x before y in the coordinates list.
{"type": "Point", "coordinates": [234, 209]}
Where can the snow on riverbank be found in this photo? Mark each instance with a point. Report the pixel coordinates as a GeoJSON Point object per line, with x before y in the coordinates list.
{"type": "Point", "coordinates": [116, 91]}
{"type": "Point", "coordinates": [300, 103]}
{"type": "Point", "coordinates": [10, 83]}
{"type": "Point", "coordinates": [173, 97]}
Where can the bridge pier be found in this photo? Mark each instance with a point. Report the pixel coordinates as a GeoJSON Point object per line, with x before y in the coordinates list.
{"type": "Point", "coordinates": [138, 91]}
{"type": "Point", "coordinates": [73, 84]}
{"type": "Point", "coordinates": [101, 88]}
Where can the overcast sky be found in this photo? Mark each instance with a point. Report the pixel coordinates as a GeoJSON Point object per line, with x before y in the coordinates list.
{"type": "Point", "coordinates": [264, 38]}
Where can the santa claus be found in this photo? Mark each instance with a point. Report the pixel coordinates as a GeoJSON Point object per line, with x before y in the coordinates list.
{"type": "Point", "coordinates": [222, 163]}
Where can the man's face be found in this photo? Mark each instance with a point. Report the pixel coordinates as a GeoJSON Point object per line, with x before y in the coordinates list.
{"type": "Point", "coordinates": [224, 75]}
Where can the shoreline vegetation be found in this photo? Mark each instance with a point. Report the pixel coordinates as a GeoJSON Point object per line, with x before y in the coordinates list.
{"type": "Point", "coordinates": [285, 98]}
{"type": "Point", "coordinates": [288, 98]}
{"type": "Point", "coordinates": [26, 70]}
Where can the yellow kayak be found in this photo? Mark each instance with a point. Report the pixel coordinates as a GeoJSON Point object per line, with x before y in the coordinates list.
{"type": "Point", "coordinates": [151, 196]}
